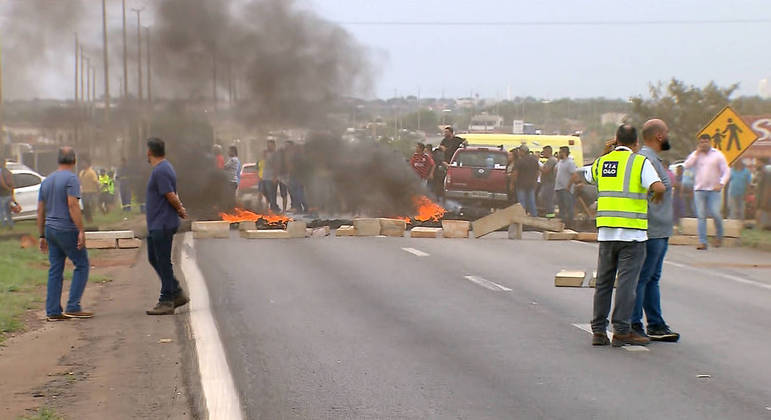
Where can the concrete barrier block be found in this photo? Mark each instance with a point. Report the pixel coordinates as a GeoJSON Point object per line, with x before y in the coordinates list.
{"type": "Point", "coordinates": [425, 232]}
{"type": "Point", "coordinates": [366, 227]}
{"type": "Point", "coordinates": [320, 232]}
{"type": "Point", "coordinates": [587, 236]}
{"type": "Point", "coordinates": [296, 229]}
{"type": "Point", "coordinates": [569, 278]}
{"type": "Point", "coordinates": [211, 229]}
{"type": "Point", "coordinates": [129, 243]}
{"type": "Point", "coordinates": [731, 228]}
{"type": "Point", "coordinates": [554, 225]}
{"type": "Point", "coordinates": [565, 235]}
{"type": "Point", "coordinates": [515, 231]}
{"type": "Point", "coordinates": [692, 240]}
{"type": "Point", "coordinates": [265, 234]}
{"type": "Point", "coordinates": [250, 225]}
{"type": "Point", "coordinates": [392, 227]}
{"type": "Point", "coordinates": [345, 230]}
{"type": "Point", "coordinates": [110, 234]}
{"type": "Point", "coordinates": [499, 219]}
{"type": "Point", "coordinates": [455, 228]}
{"type": "Point", "coordinates": [101, 243]}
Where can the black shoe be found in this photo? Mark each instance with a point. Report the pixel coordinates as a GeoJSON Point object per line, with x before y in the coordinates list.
{"type": "Point", "coordinates": [162, 308]}
{"type": "Point", "coordinates": [181, 299]}
{"type": "Point", "coordinates": [600, 339]}
{"type": "Point", "coordinates": [663, 334]}
{"type": "Point", "coordinates": [638, 328]}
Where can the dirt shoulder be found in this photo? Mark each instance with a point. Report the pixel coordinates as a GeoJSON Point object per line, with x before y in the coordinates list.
{"type": "Point", "coordinates": [121, 364]}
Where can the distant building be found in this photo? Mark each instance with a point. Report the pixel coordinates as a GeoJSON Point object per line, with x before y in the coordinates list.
{"type": "Point", "coordinates": [485, 123]}
{"type": "Point", "coordinates": [615, 118]}
{"type": "Point", "coordinates": [764, 90]}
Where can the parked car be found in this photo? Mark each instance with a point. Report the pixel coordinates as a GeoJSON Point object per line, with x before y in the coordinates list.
{"type": "Point", "coordinates": [26, 188]}
{"type": "Point", "coordinates": [248, 186]}
{"type": "Point", "coordinates": [477, 176]}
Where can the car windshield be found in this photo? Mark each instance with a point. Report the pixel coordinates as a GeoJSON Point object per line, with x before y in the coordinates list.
{"type": "Point", "coordinates": [482, 159]}
{"type": "Point", "coordinates": [250, 169]}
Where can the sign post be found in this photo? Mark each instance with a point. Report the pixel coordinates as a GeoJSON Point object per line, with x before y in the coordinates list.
{"type": "Point", "coordinates": [729, 134]}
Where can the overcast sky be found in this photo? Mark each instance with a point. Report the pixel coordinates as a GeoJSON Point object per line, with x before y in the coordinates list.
{"type": "Point", "coordinates": [543, 60]}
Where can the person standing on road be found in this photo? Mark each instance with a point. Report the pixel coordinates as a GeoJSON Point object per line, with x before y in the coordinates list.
{"type": "Point", "coordinates": [623, 180]}
{"type": "Point", "coordinates": [6, 194]}
{"type": "Point", "coordinates": [123, 176]}
{"type": "Point", "coordinates": [737, 190]}
{"type": "Point", "coordinates": [548, 177]}
{"type": "Point", "coordinates": [232, 174]}
{"type": "Point", "coordinates": [660, 221]}
{"type": "Point", "coordinates": [451, 143]}
{"type": "Point", "coordinates": [89, 182]}
{"type": "Point", "coordinates": [563, 185]}
{"type": "Point", "coordinates": [163, 212]}
{"type": "Point", "coordinates": [60, 224]}
{"type": "Point", "coordinates": [711, 174]}
{"type": "Point", "coordinates": [440, 171]}
{"type": "Point", "coordinates": [422, 163]}
{"type": "Point", "coordinates": [525, 178]}
{"type": "Point", "coordinates": [269, 181]}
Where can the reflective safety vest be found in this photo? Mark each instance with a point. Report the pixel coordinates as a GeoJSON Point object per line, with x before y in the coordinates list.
{"type": "Point", "coordinates": [622, 200]}
{"type": "Point", "coordinates": [107, 184]}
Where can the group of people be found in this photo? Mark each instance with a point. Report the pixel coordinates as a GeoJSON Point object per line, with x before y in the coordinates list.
{"type": "Point", "coordinates": [430, 164]}
{"type": "Point", "coordinates": [98, 189]}
{"type": "Point", "coordinates": [60, 224]}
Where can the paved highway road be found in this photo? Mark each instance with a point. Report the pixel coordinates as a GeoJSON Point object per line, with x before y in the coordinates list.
{"type": "Point", "coordinates": [357, 328]}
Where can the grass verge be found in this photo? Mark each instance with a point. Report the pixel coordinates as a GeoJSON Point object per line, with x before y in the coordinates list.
{"type": "Point", "coordinates": [757, 238]}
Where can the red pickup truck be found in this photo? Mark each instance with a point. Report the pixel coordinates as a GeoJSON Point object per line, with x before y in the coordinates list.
{"type": "Point", "coordinates": [477, 176]}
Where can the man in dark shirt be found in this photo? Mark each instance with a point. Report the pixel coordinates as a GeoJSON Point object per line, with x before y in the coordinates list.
{"type": "Point", "coordinates": [526, 177]}
{"type": "Point", "coordinates": [163, 209]}
{"type": "Point", "coordinates": [60, 224]}
{"type": "Point", "coordinates": [451, 142]}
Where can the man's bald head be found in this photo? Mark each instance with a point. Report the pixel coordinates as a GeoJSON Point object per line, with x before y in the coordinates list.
{"type": "Point", "coordinates": [66, 156]}
{"type": "Point", "coordinates": [652, 128]}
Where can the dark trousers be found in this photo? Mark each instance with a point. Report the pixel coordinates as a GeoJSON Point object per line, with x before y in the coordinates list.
{"type": "Point", "coordinates": [617, 260]}
{"type": "Point", "coordinates": [297, 193]}
{"type": "Point", "coordinates": [125, 195]}
{"type": "Point", "coordinates": [268, 188]}
{"type": "Point", "coordinates": [159, 244]}
{"type": "Point", "coordinates": [566, 202]}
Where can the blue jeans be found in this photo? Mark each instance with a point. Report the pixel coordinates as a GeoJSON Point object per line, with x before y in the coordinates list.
{"type": "Point", "coordinates": [268, 188]}
{"type": "Point", "coordinates": [63, 244]}
{"type": "Point", "coordinates": [708, 205]}
{"type": "Point", "coordinates": [648, 294]}
{"type": "Point", "coordinates": [297, 193]}
{"type": "Point", "coordinates": [5, 212]}
{"type": "Point", "coordinates": [526, 197]}
{"type": "Point", "coordinates": [566, 201]}
{"type": "Point", "coordinates": [125, 195]}
{"type": "Point", "coordinates": [159, 244]}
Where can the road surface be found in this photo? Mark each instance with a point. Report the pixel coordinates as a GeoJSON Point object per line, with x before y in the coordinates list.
{"type": "Point", "coordinates": [359, 328]}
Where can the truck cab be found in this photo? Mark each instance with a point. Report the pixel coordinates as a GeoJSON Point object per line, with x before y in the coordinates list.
{"type": "Point", "coordinates": [477, 176]}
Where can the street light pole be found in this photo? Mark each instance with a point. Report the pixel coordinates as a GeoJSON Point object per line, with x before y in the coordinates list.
{"type": "Point", "coordinates": [106, 60]}
{"type": "Point", "coordinates": [139, 53]}
{"type": "Point", "coordinates": [124, 83]}
{"type": "Point", "coordinates": [147, 52]}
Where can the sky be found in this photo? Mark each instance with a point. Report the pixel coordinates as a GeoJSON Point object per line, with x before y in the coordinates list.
{"type": "Point", "coordinates": [486, 50]}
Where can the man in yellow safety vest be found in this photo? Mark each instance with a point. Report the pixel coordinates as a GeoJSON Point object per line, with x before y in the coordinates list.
{"type": "Point", "coordinates": [624, 180]}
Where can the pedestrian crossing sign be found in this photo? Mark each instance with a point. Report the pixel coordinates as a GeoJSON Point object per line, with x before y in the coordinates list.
{"type": "Point", "coordinates": [729, 134]}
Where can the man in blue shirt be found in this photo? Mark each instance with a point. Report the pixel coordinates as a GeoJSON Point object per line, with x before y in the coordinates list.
{"type": "Point", "coordinates": [163, 209]}
{"type": "Point", "coordinates": [60, 224]}
{"type": "Point", "coordinates": [737, 190]}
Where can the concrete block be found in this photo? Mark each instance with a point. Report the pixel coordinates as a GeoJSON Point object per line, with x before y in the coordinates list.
{"type": "Point", "coordinates": [692, 240]}
{"type": "Point", "coordinates": [129, 243]}
{"type": "Point", "coordinates": [515, 231]}
{"type": "Point", "coordinates": [566, 278]}
{"type": "Point", "coordinates": [554, 225]}
{"type": "Point", "coordinates": [250, 225]}
{"type": "Point", "coordinates": [211, 229]}
{"type": "Point", "coordinates": [296, 229]}
{"type": "Point", "coordinates": [586, 236]}
{"type": "Point", "coordinates": [366, 227]}
{"type": "Point", "coordinates": [265, 234]}
{"type": "Point", "coordinates": [731, 228]}
{"type": "Point", "coordinates": [392, 227]}
{"type": "Point", "coordinates": [425, 232]}
{"type": "Point", "coordinates": [345, 230]}
{"type": "Point", "coordinates": [320, 232]}
{"type": "Point", "coordinates": [110, 234]}
{"type": "Point", "coordinates": [101, 243]}
{"type": "Point", "coordinates": [497, 220]}
{"type": "Point", "coordinates": [565, 235]}
{"type": "Point", "coordinates": [455, 228]}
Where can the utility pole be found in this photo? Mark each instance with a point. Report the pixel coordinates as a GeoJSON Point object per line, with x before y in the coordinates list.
{"type": "Point", "coordinates": [124, 83]}
{"type": "Point", "coordinates": [214, 79]}
{"type": "Point", "coordinates": [87, 68]}
{"type": "Point", "coordinates": [139, 53]}
{"type": "Point", "coordinates": [147, 52]}
{"type": "Point", "coordinates": [77, 46]}
{"type": "Point", "coordinates": [82, 77]}
{"type": "Point", "coordinates": [106, 65]}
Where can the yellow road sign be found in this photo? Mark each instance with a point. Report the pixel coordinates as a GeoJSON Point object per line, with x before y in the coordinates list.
{"type": "Point", "coordinates": [729, 134]}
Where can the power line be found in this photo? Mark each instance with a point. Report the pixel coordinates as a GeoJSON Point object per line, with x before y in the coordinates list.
{"type": "Point", "coordinates": [557, 23]}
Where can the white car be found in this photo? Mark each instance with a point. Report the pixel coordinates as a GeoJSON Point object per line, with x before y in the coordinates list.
{"type": "Point", "coordinates": [26, 184]}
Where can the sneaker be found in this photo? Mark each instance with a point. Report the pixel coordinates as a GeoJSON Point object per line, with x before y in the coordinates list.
{"type": "Point", "coordinates": [181, 299]}
{"type": "Point", "coordinates": [600, 339]}
{"type": "Point", "coordinates": [631, 338]}
{"type": "Point", "coordinates": [663, 334]}
{"type": "Point", "coordinates": [702, 247]}
{"type": "Point", "coordinates": [638, 328]}
{"type": "Point", "coordinates": [162, 308]}
{"type": "Point", "coordinates": [54, 318]}
{"type": "Point", "coordinates": [79, 314]}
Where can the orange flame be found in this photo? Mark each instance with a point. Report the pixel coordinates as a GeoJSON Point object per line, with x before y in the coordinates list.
{"type": "Point", "coordinates": [241, 215]}
{"type": "Point", "coordinates": [427, 209]}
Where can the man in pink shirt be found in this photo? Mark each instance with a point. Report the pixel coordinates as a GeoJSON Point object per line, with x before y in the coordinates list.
{"type": "Point", "coordinates": [710, 176]}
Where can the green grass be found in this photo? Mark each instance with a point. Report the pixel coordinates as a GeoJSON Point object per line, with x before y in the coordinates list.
{"type": "Point", "coordinates": [757, 238]}
{"type": "Point", "coordinates": [43, 414]}
{"type": "Point", "coordinates": [22, 273]}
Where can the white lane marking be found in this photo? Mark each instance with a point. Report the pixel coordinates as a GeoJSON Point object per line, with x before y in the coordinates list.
{"type": "Point", "coordinates": [723, 275]}
{"type": "Point", "coordinates": [219, 390]}
{"type": "Point", "coordinates": [588, 328]}
{"type": "Point", "coordinates": [416, 252]}
{"type": "Point", "coordinates": [487, 284]}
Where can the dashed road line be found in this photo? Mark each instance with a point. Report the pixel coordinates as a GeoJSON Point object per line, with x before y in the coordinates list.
{"type": "Point", "coordinates": [487, 284]}
{"type": "Point", "coordinates": [588, 328]}
{"type": "Point", "coordinates": [416, 252]}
